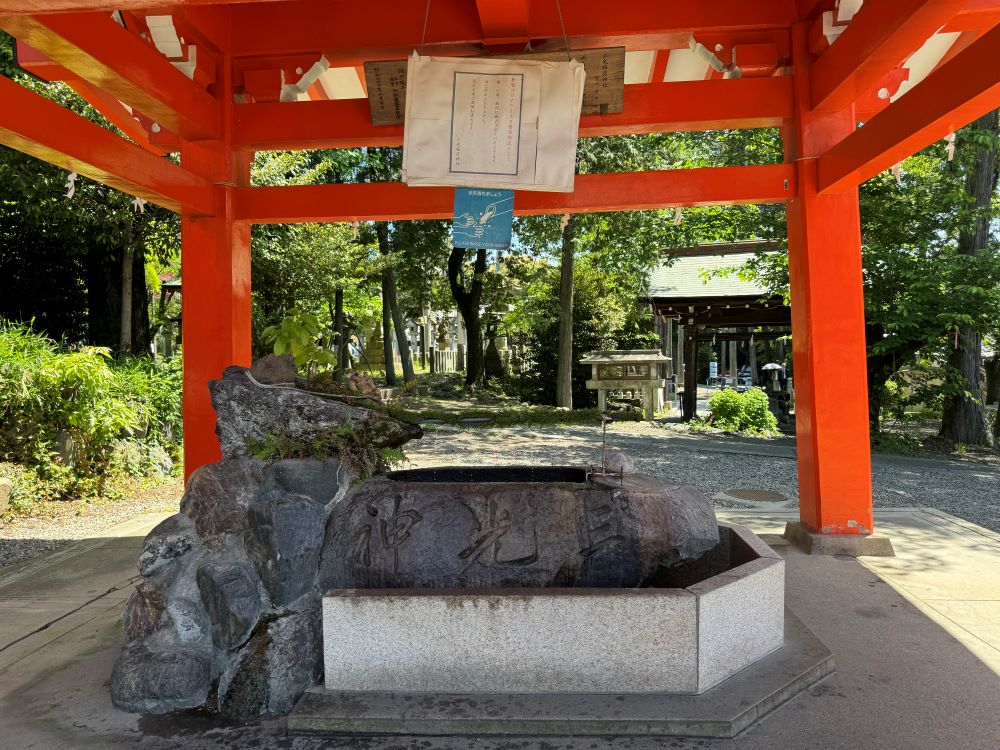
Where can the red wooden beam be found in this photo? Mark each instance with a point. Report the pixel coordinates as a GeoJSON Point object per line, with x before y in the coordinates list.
{"type": "Point", "coordinates": [881, 36]}
{"type": "Point", "coordinates": [964, 88]}
{"type": "Point", "coordinates": [98, 50]}
{"type": "Point", "coordinates": [624, 191]}
{"type": "Point", "coordinates": [809, 9]}
{"type": "Point", "coordinates": [351, 34]}
{"type": "Point", "coordinates": [35, 7]}
{"type": "Point", "coordinates": [41, 128]}
{"type": "Point", "coordinates": [117, 115]}
{"type": "Point", "coordinates": [503, 21]}
{"type": "Point", "coordinates": [649, 108]}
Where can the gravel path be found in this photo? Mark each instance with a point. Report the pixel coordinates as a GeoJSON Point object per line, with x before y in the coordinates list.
{"type": "Point", "coordinates": [967, 490]}
{"type": "Point", "coordinates": [58, 523]}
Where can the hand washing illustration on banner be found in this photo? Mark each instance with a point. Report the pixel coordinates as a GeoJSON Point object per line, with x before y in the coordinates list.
{"type": "Point", "coordinates": [483, 219]}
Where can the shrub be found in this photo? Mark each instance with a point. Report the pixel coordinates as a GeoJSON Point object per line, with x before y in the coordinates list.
{"type": "Point", "coordinates": [745, 412]}
{"type": "Point", "coordinates": [73, 418]}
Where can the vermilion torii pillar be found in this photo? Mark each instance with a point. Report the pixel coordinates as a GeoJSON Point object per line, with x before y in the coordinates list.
{"type": "Point", "coordinates": [215, 268]}
{"type": "Point", "coordinates": [828, 324]}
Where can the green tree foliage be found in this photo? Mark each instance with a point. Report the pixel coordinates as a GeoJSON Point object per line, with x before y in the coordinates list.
{"type": "Point", "coordinates": [600, 321]}
{"type": "Point", "coordinates": [61, 257]}
{"type": "Point", "coordinates": [919, 288]}
{"type": "Point", "coordinates": [303, 266]}
{"type": "Point", "coordinates": [622, 248]}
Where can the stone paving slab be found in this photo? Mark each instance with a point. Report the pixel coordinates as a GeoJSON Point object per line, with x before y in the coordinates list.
{"type": "Point", "coordinates": [907, 676]}
{"type": "Point", "coordinates": [723, 711]}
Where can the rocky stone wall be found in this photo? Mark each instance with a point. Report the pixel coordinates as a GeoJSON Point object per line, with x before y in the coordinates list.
{"type": "Point", "coordinates": [229, 591]}
{"type": "Point", "coordinates": [227, 615]}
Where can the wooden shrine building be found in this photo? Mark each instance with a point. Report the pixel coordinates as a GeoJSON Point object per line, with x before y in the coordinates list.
{"type": "Point", "coordinates": [217, 80]}
{"type": "Point", "coordinates": [697, 296]}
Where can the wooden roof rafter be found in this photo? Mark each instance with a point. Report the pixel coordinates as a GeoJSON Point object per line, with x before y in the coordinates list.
{"type": "Point", "coordinates": [962, 89]}
{"type": "Point", "coordinates": [78, 145]}
{"type": "Point", "coordinates": [119, 63]}
{"type": "Point", "coordinates": [635, 24]}
{"type": "Point", "coordinates": [879, 38]}
{"type": "Point", "coordinates": [726, 313]}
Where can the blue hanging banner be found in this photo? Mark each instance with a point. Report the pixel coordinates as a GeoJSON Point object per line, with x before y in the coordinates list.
{"type": "Point", "coordinates": [483, 219]}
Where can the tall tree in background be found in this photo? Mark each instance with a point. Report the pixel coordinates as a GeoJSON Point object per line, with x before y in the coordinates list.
{"type": "Point", "coordinates": [564, 373]}
{"type": "Point", "coordinates": [468, 294]}
{"type": "Point", "coordinates": [382, 165]}
{"type": "Point", "coordinates": [964, 419]}
{"type": "Point", "coordinates": [921, 285]}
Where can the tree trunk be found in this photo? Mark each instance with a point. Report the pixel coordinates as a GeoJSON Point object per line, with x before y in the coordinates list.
{"type": "Point", "coordinates": [564, 369]}
{"type": "Point", "coordinates": [993, 394]}
{"type": "Point", "coordinates": [382, 233]}
{"type": "Point", "coordinates": [390, 299]}
{"type": "Point", "coordinates": [467, 301]}
{"type": "Point", "coordinates": [390, 366]}
{"type": "Point", "coordinates": [141, 329]}
{"type": "Point", "coordinates": [964, 419]}
{"type": "Point", "coordinates": [125, 329]}
{"type": "Point", "coordinates": [402, 342]}
{"type": "Point", "coordinates": [993, 379]}
{"type": "Point", "coordinates": [104, 283]}
{"type": "Point", "coordinates": [340, 332]}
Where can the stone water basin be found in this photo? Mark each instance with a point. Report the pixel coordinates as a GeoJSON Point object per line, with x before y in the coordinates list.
{"type": "Point", "coordinates": [541, 580]}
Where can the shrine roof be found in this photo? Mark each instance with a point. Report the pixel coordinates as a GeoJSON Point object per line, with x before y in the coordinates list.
{"type": "Point", "coordinates": [693, 278]}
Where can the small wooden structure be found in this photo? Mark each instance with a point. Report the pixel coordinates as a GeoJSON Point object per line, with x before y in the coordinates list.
{"type": "Point", "coordinates": [694, 303]}
{"type": "Point", "coordinates": [637, 370]}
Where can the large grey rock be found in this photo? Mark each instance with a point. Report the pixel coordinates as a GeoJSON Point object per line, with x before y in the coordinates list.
{"type": "Point", "coordinates": [170, 539]}
{"type": "Point", "coordinates": [218, 495]}
{"type": "Point", "coordinates": [249, 413]}
{"type": "Point", "coordinates": [160, 462]}
{"type": "Point", "coordinates": [153, 678]}
{"type": "Point", "coordinates": [323, 480]}
{"type": "Point", "coordinates": [475, 528]}
{"type": "Point", "coordinates": [283, 540]}
{"type": "Point", "coordinates": [231, 597]}
{"type": "Point", "coordinates": [6, 490]}
{"type": "Point", "coordinates": [143, 612]}
{"type": "Point", "coordinates": [272, 369]}
{"type": "Point", "coordinates": [189, 621]}
{"type": "Point", "coordinates": [280, 662]}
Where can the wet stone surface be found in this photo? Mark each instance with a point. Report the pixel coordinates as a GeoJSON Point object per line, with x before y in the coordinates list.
{"type": "Point", "coordinates": [442, 529]}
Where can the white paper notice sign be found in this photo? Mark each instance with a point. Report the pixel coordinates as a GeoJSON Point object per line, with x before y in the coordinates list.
{"type": "Point", "coordinates": [483, 122]}
{"type": "Point", "coordinates": [486, 123]}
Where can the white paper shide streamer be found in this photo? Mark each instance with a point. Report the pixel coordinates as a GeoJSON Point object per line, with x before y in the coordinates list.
{"type": "Point", "coordinates": [486, 122]}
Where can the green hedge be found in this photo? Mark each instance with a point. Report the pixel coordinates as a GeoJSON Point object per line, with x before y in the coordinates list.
{"type": "Point", "coordinates": [72, 418]}
{"type": "Point", "coordinates": [742, 412]}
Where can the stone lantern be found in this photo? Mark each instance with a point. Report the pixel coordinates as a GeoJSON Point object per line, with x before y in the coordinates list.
{"type": "Point", "coordinates": [627, 370]}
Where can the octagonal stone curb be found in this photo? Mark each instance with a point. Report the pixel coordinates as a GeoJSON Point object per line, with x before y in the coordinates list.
{"type": "Point", "coordinates": [678, 640]}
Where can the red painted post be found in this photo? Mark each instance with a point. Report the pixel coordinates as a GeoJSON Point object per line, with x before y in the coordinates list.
{"type": "Point", "coordinates": [828, 334]}
{"type": "Point", "coordinates": [216, 301]}
{"type": "Point", "coordinates": [215, 270]}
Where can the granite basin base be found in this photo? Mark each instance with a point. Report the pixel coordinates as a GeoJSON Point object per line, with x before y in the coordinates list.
{"type": "Point", "coordinates": [704, 621]}
{"type": "Point", "coordinates": [724, 711]}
